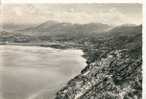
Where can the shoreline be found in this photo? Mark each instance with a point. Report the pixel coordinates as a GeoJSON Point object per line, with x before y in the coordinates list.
{"type": "Point", "coordinates": [55, 47]}
{"type": "Point", "coordinates": [48, 44]}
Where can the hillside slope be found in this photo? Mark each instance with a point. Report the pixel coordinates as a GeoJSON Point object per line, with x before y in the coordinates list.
{"type": "Point", "coordinates": [114, 69]}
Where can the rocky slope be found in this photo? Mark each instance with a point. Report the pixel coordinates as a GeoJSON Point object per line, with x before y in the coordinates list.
{"type": "Point", "coordinates": [114, 76]}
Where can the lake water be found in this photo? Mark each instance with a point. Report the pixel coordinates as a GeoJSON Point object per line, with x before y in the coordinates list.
{"type": "Point", "coordinates": [29, 72]}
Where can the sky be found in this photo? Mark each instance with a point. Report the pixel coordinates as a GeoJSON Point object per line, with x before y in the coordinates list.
{"type": "Point", "coordinates": [114, 14]}
{"type": "Point", "coordinates": [71, 1]}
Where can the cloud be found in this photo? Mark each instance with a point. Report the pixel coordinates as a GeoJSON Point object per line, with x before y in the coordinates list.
{"type": "Point", "coordinates": [83, 13]}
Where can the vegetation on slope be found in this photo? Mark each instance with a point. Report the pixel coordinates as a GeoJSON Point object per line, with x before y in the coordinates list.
{"type": "Point", "coordinates": [114, 68]}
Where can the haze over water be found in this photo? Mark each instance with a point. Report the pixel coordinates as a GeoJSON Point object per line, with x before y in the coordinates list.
{"type": "Point", "coordinates": [36, 72]}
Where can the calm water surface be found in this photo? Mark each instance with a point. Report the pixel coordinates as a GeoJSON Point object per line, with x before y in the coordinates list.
{"type": "Point", "coordinates": [36, 72]}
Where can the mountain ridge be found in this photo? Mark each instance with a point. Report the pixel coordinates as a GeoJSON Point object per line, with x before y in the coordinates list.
{"type": "Point", "coordinates": [56, 28]}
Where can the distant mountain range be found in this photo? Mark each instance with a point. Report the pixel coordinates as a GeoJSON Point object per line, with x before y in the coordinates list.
{"type": "Point", "coordinates": [57, 28]}
{"type": "Point", "coordinates": [65, 31]}
{"type": "Point", "coordinates": [10, 27]}
{"type": "Point", "coordinates": [54, 28]}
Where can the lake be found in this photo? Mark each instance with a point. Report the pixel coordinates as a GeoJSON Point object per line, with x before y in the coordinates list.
{"type": "Point", "coordinates": [30, 72]}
